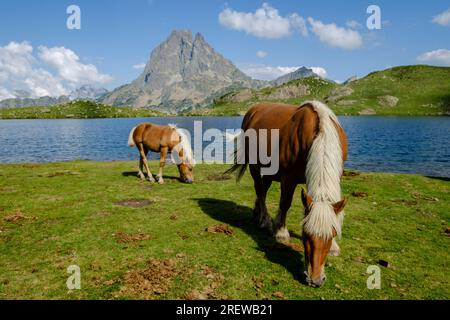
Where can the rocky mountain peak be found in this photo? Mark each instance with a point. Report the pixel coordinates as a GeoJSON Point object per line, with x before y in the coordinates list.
{"type": "Point", "coordinates": [183, 71]}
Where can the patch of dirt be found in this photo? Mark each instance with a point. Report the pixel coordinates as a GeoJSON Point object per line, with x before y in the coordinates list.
{"type": "Point", "coordinates": [409, 203]}
{"type": "Point", "coordinates": [359, 194]}
{"type": "Point", "coordinates": [351, 173]}
{"type": "Point", "coordinates": [220, 228]}
{"type": "Point", "coordinates": [447, 231]}
{"type": "Point", "coordinates": [284, 246]}
{"type": "Point", "coordinates": [278, 295]}
{"type": "Point", "coordinates": [153, 280]}
{"type": "Point", "coordinates": [173, 217]}
{"type": "Point", "coordinates": [208, 292]}
{"type": "Point", "coordinates": [183, 236]}
{"type": "Point", "coordinates": [7, 190]}
{"type": "Point", "coordinates": [122, 237]}
{"type": "Point", "coordinates": [219, 177]}
{"type": "Point", "coordinates": [58, 174]}
{"type": "Point", "coordinates": [29, 166]}
{"type": "Point", "coordinates": [417, 195]}
{"type": "Point", "coordinates": [17, 217]}
{"type": "Point", "coordinates": [295, 246]}
{"type": "Point", "coordinates": [134, 203]}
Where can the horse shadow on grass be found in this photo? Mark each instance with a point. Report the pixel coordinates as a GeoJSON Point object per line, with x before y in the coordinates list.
{"type": "Point", "coordinates": [241, 217]}
{"type": "Point", "coordinates": [135, 175]}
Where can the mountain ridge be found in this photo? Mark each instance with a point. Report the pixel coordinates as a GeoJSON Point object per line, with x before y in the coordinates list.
{"type": "Point", "coordinates": [183, 71]}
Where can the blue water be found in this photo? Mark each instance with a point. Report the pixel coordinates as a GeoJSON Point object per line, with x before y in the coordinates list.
{"type": "Point", "coordinates": [394, 144]}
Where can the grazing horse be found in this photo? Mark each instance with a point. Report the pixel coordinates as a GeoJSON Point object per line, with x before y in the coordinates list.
{"type": "Point", "coordinates": [312, 150]}
{"type": "Point", "coordinates": [163, 139]}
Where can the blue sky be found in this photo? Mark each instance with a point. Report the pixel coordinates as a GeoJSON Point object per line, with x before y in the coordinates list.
{"type": "Point", "coordinates": [116, 35]}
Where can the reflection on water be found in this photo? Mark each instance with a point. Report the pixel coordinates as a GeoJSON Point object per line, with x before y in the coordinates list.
{"type": "Point", "coordinates": [396, 144]}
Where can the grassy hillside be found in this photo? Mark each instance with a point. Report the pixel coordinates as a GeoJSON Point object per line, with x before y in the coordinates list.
{"type": "Point", "coordinates": [77, 110]}
{"type": "Point", "coordinates": [135, 240]}
{"type": "Point", "coordinates": [408, 90]}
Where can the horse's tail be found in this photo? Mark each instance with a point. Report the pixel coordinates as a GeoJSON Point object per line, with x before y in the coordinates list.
{"type": "Point", "coordinates": [131, 142]}
{"type": "Point", "coordinates": [324, 163]}
{"type": "Point", "coordinates": [239, 166]}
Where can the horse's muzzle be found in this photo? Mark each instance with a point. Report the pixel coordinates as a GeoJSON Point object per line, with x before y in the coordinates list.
{"type": "Point", "coordinates": [188, 181]}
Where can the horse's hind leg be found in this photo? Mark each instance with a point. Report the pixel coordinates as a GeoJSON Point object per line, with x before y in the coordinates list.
{"type": "Point", "coordinates": [141, 174]}
{"type": "Point", "coordinates": [261, 214]}
{"type": "Point", "coordinates": [143, 155]}
{"type": "Point", "coordinates": [287, 192]}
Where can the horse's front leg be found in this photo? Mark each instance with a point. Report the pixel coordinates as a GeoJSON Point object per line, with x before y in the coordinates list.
{"type": "Point", "coordinates": [288, 186]}
{"type": "Point", "coordinates": [162, 163]}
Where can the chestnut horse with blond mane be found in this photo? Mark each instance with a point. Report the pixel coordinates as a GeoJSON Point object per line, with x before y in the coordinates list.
{"type": "Point", "coordinates": [163, 139]}
{"type": "Point", "coordinates": [312, 150]}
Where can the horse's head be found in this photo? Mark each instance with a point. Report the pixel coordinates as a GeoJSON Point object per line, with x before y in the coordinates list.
{"type": "Point", "coordinates": [321, 224]}
{"type": "Point", "coordinates": [184, 157]}
{"type": "Point", "coordinates": [186, 172]}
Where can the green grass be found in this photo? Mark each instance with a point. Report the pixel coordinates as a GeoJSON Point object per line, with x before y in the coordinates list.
{"type": "Point", "coordinates": [76, 110]}
{"type": "Point", "coordinates": [71, 218]}
{"type": "Point", "coordinates": [421, 90]}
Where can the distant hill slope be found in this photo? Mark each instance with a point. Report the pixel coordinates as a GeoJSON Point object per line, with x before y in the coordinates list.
{"type": "Point", "coordinates": [406, 90]}
{"type": "Point", "coordinates": [76, 110]}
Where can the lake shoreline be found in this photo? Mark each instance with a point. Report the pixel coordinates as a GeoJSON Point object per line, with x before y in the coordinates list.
{"type": "Point", "coordinates": [227, 116]}
{"type": "Point", "coordinates": [347, 170]}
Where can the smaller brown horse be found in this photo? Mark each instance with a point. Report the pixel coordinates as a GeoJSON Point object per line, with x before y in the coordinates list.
{"type": "Point", "coordinates": [163, 139]}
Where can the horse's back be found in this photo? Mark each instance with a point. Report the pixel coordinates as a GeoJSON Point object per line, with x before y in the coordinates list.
{"type": "Point", "coordinates": [298, 126]}
{"type": "Point", "coordinates": [154, 136]}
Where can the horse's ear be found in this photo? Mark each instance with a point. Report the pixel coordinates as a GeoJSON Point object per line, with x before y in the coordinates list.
{"type": "Point", "coordinates": [306, 199]}
{"type": "Point", "coordinates": [339, 206]}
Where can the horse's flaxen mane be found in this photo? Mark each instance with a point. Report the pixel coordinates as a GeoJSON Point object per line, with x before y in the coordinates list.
{"type": "Point", "coordinates": [323, 172]}
{"type": "Point", "coordinates": [185, 145]}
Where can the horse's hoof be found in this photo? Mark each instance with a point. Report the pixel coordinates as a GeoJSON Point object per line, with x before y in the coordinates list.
{"type": "Point", "coordinates": [282, 236]}
{"type": "Point", "coordinates": [161, 181]}
{"type": "Point", "coordinates": [266, 223]}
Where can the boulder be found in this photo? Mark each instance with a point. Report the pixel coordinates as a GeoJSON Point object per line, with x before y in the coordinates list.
{"type": "Point", "coordinates": [389, 101]}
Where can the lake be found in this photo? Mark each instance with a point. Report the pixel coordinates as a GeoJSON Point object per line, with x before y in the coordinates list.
{"type": "Point", "coordinates": [418, 145]}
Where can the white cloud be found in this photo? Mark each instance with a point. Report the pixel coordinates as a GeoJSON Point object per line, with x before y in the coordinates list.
{"type": "Point", "coordinates": [335, 36]}
{"type": "Point", "coordinates": [69, 67]}
{"type": "Point", "coordinates": [5, 94]}
{"type": "Point", "coordinates": [261, 54]}
{"type": "Point", "coordinates": [139, 66]}
{"type": "Point", "coordinates": [443, 18]}
{"type": "Point", "coordinates": [265, 72]}
{"type": "Point", "coordinates": [438, 57]}
{"type": "Point", "coordinates": [353, 24]}
{"type": "Point", "coordinates": [21, 70]}
{"type": "Point", "coordinates": [265, 22]}
{"type": "Point", "coordinates": [321, 72]}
